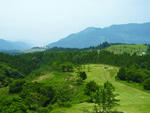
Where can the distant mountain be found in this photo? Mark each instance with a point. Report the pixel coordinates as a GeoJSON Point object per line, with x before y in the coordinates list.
{"type": "Point", "coordinates": [8, 45]}
{"type": "Point", "coordinates": [124, 33]}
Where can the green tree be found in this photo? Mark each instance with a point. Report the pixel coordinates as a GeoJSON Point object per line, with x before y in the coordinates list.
{"type": "Point", "coordinates": [148, 50]}
{"type": "Point", "coordinates": [64, 96]}
{"type": "Point", "coordinates": [16, 86]}
{"type": "Point", "coordinates": [146, 84]}
{"type": "Point", "coordinates": [90, 88]}
{"type": "Point", "coordinates": [82, 75]}
{"type": "Point", "coordinates": [66, 67]}
{"type": "Point", "coordinates": [122, 74]}
{"type": "Point", "coordinates": [105, 98]}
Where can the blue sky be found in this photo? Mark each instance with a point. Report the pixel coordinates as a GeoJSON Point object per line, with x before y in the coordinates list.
{"type": "Point", "coordinates": [44, 21]}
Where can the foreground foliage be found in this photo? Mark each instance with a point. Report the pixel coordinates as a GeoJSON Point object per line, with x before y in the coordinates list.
{"type": "Point", "coordinates": [102, 96]}
{"type": "Point", "coordinates": [68, 85]}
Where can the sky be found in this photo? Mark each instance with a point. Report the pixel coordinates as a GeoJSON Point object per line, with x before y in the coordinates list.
{"type": "Point", "coordinates": [40, 22]}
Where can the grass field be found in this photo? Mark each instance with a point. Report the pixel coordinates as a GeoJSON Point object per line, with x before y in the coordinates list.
{"type": "Point", "coordinates": [132, 100]}
{"type": "Point", "coordinates": [127, 48]}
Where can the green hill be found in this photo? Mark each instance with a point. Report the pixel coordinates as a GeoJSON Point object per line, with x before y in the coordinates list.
{"type": "Point", "coordinates": [51, 81]}
{"type": "Point", "coordinates": [127, 48]}
{"type": "Point", "coordinates": [132, 100]}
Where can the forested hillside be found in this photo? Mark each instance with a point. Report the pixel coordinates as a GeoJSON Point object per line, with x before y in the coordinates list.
{"type": "Point", "coordinates": [49, 81]}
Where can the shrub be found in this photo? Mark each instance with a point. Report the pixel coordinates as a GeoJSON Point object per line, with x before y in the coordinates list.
{"type": "Point", "coordinates": [16, 86]}
{"type": "Point", "coordinates": [91, 87]}
{"type": "Point", "coordinates": [122, 74]}
{"type": "Point", "coordinates": [146, 84]}
{"type": "Point", "coordinates": [82, 75]}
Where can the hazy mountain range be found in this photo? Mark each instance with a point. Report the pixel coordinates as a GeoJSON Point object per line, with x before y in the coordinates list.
{"type": "Point", "coordinates": [8, 45]}
{"type": "Point", "coordinates": [124, 33]}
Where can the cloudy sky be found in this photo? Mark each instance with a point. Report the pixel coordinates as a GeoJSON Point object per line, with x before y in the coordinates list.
{"type": "Point", "coordinates": [44, 21]}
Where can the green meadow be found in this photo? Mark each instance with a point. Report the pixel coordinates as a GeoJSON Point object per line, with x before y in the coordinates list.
{"type": "Point", "coordinates": [127, 48]}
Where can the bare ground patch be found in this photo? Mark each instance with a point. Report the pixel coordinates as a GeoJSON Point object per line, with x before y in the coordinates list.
{"type": "Point", "coordinates": [42, 78]}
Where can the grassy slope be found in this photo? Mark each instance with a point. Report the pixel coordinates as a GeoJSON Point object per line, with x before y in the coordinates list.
{"type": "Point", "coordinates": [132, 99]}
{"type": "Point", "coordinates": [131, 49]}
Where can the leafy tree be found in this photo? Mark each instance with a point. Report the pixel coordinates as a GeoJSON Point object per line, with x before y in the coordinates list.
{"type": "Point", "coordinates": [90, 88]}
{"type": "Point", "coordinates": [16, 86]}
{"type": "Point", "coordinates": [122, 74]}
{"type": "Point", "coordinates": [67, 67]}
{"type": "Point", "coordinates": [82, 75]}
{"type": "Point", "coordinates": [12, 104]}
{"type": "Point", "coordinates": [47, 95]}
{"type": "Point", "coordinates": [105, 98]}
{"type": "Point", "coordinates": [64, 97]}
{"type": "Point", "coordinates": [36, 95]}
{"type": "Point", "coordinates": [146, 84]}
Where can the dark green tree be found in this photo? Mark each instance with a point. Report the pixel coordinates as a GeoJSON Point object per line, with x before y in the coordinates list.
{"type": "Point", "coordinates": [66, 67]}
{"type": "Point", "coordinates": [148, 50]}
{"type": "Point", "coordinates": [16, 86]}
{"type": "Point", "coordinates": [122, 74]}
{"type": "Point", "coordinates": [146, 84]}
{"type": "Point", "coordinates": [90, 88]}
{"type": "Point", "coordinates": [105, 98]}
{"type": "Point", "coordinates": [82, 75]}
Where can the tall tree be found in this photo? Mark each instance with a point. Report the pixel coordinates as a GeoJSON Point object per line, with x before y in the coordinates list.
{"type": "Point", "coordinates": [105, 98]}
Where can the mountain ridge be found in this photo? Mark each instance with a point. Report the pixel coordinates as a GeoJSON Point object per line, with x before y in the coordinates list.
{"type": "Point", "coordinates": [9, 45]}
{"type": "Point", "coordinates": [122, 33]}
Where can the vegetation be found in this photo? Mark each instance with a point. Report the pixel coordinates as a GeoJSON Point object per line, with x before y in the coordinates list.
{"type": "Point", "coordinates": [132, 100]}
{"type": "Point", "coordinates": [82, 75]}
{"type": "Point", "coordinates": [8, 74]}
{"type": "Point", "coordinates": [134, 74]}
{"type": "Point", "coordinates": [47, 81]}
{"type": "Point", "coordinates": [128, 48]}
{"type": "Point", "coordinates": [105, 98]}
{"type": "Point", "coordinates": [146, 84]}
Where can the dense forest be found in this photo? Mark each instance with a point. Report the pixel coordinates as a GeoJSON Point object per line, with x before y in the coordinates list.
{"type": "Point", "coordinates": [17, 71]}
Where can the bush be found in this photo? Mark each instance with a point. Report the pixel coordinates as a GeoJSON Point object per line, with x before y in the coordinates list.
{"type": "Point", "coordinates": [12, 104]}
{"type": "Point", "coordinates": [146, 84]}
{"type": "Point", "coordinates": [122, 74]}
{"type": "Point", "coordinates": [91, 87]}
{"type": "Point", "coordinates": [64, 96]}
{"type": "Point", "coordinates": [82, 75]}
{"type": "Point", "coordinates": [16, 86]}
{"type": "Point", "coordinates": [66, 67]}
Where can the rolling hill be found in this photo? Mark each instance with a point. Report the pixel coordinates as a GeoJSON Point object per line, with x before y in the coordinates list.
{"type": "Point", "coordinates": [127, 48]}
{"type": "Point", "coordinates": [124, 33]}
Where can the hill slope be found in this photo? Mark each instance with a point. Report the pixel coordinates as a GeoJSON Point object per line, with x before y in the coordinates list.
{"type": "Point", "coordinates": [132, 100]}
{"type": "Point", "coordinates": [127, 48]}
{"type": "Point", "coordinates": [125, 33]}
{"type": "Point", "coordinates": [8, 45]}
